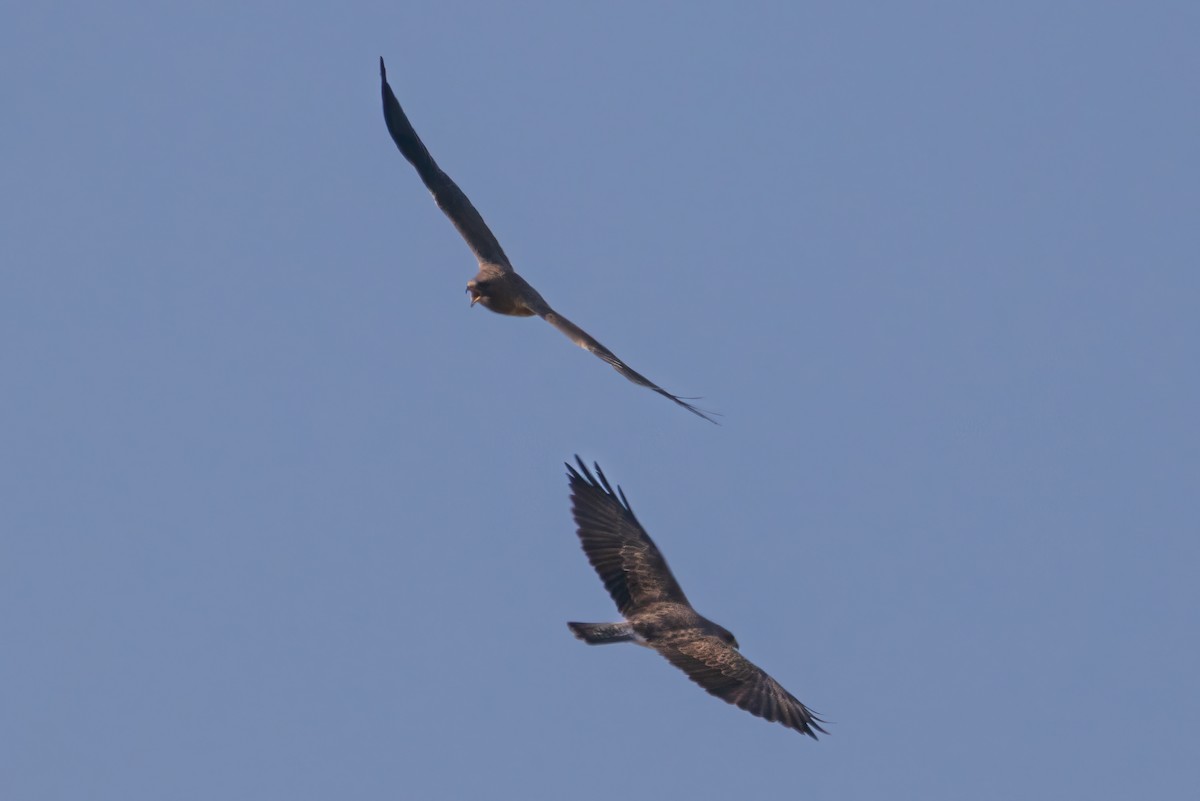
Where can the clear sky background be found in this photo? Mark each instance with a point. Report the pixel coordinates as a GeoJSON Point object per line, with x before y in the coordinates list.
{"type": "Point", "coordinates": [282, 517]}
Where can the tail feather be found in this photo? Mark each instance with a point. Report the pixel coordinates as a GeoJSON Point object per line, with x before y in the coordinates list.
{"type": "Point", "coordinates": [602, 633]}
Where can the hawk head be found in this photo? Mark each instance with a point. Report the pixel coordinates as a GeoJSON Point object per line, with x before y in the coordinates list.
{"type": "Point", "coordinates": [478, 290]}
{"type": "Point", "coordinates": [725, 634]}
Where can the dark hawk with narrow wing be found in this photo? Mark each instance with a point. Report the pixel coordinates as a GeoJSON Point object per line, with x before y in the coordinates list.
{"type": "Point", "coordinates": [497, 286]}
{"type": "Point", "coordinates": [657, 613]}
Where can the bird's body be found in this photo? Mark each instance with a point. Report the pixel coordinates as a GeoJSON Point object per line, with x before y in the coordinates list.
{"type": "Point", "coordinates": [497, 286]}
{"type": "Point", "coordinates": [506, 293]}
{"type": "Point", "coordinates": [663, 622]}
{"type": "Point", "coordinates": [659, 624]}
{"type": "Point", "coordinates": [659, 616]}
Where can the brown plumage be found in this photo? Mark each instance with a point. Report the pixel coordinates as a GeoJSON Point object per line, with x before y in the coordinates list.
{"type": "Point", "coordinates": [497, 286]}
{"type": "Point", "coordinates": [657, 613]}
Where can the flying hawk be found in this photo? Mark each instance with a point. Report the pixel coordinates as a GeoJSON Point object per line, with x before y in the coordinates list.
{"type": "Point", "coordinates": [497, 286]}
{"type": "Point", "coordinates": [658, 615]}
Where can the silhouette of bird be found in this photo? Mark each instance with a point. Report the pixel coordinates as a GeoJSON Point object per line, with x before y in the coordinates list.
{"type": "Point", "coordinates": [657, 613]}
{"type": "Point", "coordinates": [497, 286]}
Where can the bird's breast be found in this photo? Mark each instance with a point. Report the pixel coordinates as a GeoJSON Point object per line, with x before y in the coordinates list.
{"type": "Point", "coordinates": [501, 304]}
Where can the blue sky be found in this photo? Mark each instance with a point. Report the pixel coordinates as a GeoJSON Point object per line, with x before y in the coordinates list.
{"type": "Point", "coordinates": [283, 517]}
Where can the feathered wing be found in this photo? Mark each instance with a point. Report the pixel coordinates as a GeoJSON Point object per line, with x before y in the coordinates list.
{"type": "Point", "coordinates": [586, 341]}
{"type": "Point", "coordinates": [483, 243]}
{"type": "Point", "coordinates": [721, 670]}
{"type": "Point", "coordinates": [446, 194]}
{"type": "Point", "coordinates": [628, 562]}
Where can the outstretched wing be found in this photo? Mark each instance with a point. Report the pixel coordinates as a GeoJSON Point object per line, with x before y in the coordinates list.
{"type": "Point", "coordinates": [446, 193]}
{"type": "Point", "coordinates": [721, 670]}
{"type": "Point", "coordinates": [586, 341]}
{"type": "Point", "coordinates": [628, 562]}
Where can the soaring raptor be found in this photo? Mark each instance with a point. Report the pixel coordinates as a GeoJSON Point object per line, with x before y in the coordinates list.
{"type": "Point", "coordinates": [658, 615]}
{"type": "Point", "coordinates": [497, 285]}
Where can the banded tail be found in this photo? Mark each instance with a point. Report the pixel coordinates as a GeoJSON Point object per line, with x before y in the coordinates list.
{"type": "Point", "coordinates": [602, 633]}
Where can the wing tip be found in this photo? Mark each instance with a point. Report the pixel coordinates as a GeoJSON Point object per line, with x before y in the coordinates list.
{"type": "Point", "coordinates": [705, 414]}
{"type": "Point", "coordinates": [583, 477]}
{"type": "Point", "coordinates": [798, 717]}
{"type": "Point", "coordinates": [811, 725]}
